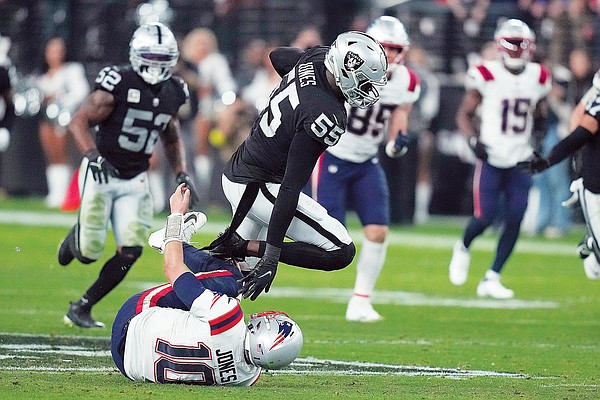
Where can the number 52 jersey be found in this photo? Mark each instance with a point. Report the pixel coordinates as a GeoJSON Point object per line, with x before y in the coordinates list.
{"type": "Point", "coordinates": [506, 110]}
{"type": "Point", "coordinates": [141, 113]}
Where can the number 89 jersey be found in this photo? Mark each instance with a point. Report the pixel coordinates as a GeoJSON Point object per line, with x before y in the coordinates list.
{"type": "Point", "coordinates": [303, 103]}
{"type": "Point", "coordinates": [141, 113]}
{"type": "Point", "coordinates": [506, 110]}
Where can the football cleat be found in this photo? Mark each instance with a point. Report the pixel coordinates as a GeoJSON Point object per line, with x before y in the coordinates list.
{"type": "Point", "coordinates": [360, 310]}
{"type": "Point", "coordinates": [65, 254]}
{"type": "Point", "coordinates": [459, 265]}
{"type": "Point", "coordinates": [591, 267]}
{"type": "Point", "coordinates": [81, 315]}
{"type": "Point", "coordinates": [490, 286]}
{"type": "Point", "coordinates": [193, 221]}
{"type": "Point", "coordinates": [232, 248]}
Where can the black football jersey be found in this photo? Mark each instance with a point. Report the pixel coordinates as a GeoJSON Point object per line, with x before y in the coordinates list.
{"type": "Point", "coordinates": [304, 103]}
{"type": "Point", "coordinates": [142, 111]}
{"type": "Point", "coordinates": [590, 153]}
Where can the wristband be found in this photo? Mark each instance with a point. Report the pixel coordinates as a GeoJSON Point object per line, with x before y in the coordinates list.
{"type": "Point", "coordinates": [174, 228]}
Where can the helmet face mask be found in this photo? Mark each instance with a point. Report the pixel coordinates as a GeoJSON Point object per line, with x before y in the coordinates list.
{"type": "Point", "coordinates": [358, 63]}
{"type": "Point", "coordinates": [273, 340]}
{"type": "Point", "coordinates": [516, 43]}
{"type": "Point", "coordinates": [391, 33]}
{"type": "Point", "coordinates": [153, 52]}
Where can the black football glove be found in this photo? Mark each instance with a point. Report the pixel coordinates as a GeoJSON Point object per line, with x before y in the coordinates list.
{"type": "Point", "coordinates": [397, 148]}
{"type": "Point", "coordinates": [261, 277]}
{"type": "Point", "coordinates": [535, 164]}
{"type": "Point", "coordinates": [478, 148]}
{"type": "Point", "coordinates": [100, 167]}
{"type": "Point", "coordinates": [182, 177]}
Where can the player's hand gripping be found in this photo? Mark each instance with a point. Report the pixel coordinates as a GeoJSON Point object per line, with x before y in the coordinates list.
{"type": "Point", "coordinates": [397, 148]}
{"type": "Point", "coordinates": [100, 167]}
{"type": "Point", "coordinates": [535, 164]}
{"type": "Point", "coordinates": [261, 277]}
{"type": "Point", "coordinates": [184, 178]}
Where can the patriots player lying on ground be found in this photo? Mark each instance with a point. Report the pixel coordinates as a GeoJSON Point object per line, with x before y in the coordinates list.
{"type": "Point", "coordinates": [191, 330]}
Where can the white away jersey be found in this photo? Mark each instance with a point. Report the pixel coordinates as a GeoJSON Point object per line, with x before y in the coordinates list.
{"type": "Point", "coordinates": [506, 110]}
{"type": "Point", "coordinates": [367, 128]}
{"type": "Point", "coordinates": [204, 345]}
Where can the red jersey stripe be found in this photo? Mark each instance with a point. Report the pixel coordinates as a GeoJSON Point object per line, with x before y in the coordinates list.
{"type": "Point", "coordinates": [414, 80]}
{"type": "Point", "coordinates": [485, 72]}
{"type": "Point", "coordinates": [544, 74]}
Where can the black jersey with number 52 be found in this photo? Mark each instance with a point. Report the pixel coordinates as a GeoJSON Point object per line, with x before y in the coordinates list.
{"type": "Point", "coordinates": [303, 103]}
{"type": "Point", "coordinates": [141, 113]}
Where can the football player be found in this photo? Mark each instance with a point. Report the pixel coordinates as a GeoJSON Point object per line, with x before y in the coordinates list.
{"type": "Point", "coordinates": [349, 175]}
{"type": "Point", "coordinates": [587, 188]}
{"type": "Point", "coordinates": [7, 108]}
{"type": "Point", "coordinates": [305, 115]}
{"type": "Point", "coordinates": [191, 330]}
{"type": "Point", "coordinates": [130, 108]}
{"type": "Point", "coordinates": [508, 93]}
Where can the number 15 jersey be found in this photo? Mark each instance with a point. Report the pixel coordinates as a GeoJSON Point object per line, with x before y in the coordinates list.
{"type": "Point", "coordinates": [506, 110]}
{"type": "Point", "coordinates": [303, 103]}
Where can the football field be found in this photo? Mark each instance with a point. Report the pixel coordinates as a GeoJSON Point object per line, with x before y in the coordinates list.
{"type": "Point", "coordinates": [437, 340]}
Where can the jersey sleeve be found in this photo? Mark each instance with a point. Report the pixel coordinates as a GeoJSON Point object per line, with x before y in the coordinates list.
{"type": "Point", "coordinates": [221, 312]}
{"type": "Point", "coordinates": [323, 119]}
{"type": "Point", "coordinates": [545, 80]}
{"type": "Point", "coordinates": [477, 77]}
{"type": "Point", "coordinates": [283, 59]}
{"type": "Point", "coordinates": [109, 79]}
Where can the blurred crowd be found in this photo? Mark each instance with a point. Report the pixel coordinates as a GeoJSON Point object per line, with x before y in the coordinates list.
{"type": "Point", "coordinates": [226, 94]}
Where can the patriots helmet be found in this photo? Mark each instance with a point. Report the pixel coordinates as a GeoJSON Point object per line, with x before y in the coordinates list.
{"type": "Point", "coordinates": [153, 52]}
{"type": "Point", "coordinates": [390, 32]}
{"type": "Point", "coordinates": [515, 42]}
{"type": "Point", "coordinates": [358, 64]}
{"type": "Point", "coordinates": [273, 340]}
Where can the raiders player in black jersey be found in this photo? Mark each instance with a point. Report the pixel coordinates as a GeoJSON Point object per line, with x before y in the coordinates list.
{"type": "Point", "coordinates": [586, 137]}
{"type": "Point", "coordinates": [305, 115]}
{"type": "Point", "coordinates": [130, 108]}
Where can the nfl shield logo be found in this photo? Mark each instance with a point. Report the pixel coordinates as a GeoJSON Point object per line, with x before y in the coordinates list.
{"type": "Point", "coordinates": [133, 96]}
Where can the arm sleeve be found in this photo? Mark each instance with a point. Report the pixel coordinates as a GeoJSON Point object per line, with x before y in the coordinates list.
{"type": "Point", "coordinates": [303, 155]}
{"type": "Point", "coordinates": [284, 59]}
{"type": "Point", "coordinates": [569, 145]}
{"type": "Point", "coordinates": [188, 288]}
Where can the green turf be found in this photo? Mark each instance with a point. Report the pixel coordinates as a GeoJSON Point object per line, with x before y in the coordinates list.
{"type": "Point", "coordinates": [555, 350]}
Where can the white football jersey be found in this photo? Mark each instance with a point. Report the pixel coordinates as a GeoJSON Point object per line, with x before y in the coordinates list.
{"type": "Point", "coordinates": [367, 128]}
{"type": "Point", "coordinates": [506, 110]}
{"type": "Point", "coordinates": [204, 345]}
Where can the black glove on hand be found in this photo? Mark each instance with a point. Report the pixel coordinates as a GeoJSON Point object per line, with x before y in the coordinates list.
{"type": "Point", "coordinates": [182, 177]}
{"type": "Point", "coordinates": [100, 167]}
{"type": "Point", "coordinates": [262, 275]}
{"type": "Point", "coordinates": [478, 148]}
{"type": "Point", "coordinates": [398, 147]}
{"type": "Point", "coordinates": [535, 164]}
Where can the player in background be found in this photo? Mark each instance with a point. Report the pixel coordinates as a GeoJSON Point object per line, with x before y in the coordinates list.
{"type": "Point", "coordinates": [130, 108]}
{"type": "Point", "coordinates": [583, 137]}
{"type": "Point", "coordinates": [509, 94]}
{"type": "Point", "coordinates": [349, 176]}
{"type": "Point", "coordinates": [305, 115]}
{"type": "Point", "coordinates": [7, 107]}
{"type": "Point", "coordinates": [192, 330]}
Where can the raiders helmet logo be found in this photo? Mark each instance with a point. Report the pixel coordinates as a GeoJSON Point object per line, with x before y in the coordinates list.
{"type": "Point", "coordinates": [352, 61]}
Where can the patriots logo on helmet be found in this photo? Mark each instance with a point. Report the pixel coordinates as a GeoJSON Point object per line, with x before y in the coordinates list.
{"type": "Point", "coordinates": [353, 61]}
{"type": "Point", "coordinates": [285, 330]}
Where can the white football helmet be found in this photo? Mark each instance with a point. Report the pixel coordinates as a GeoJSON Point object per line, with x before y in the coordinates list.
{"type": "Point", "coordinates": [153, 52]}
{"type": "Point", "coordinates": [390, 32]}
{"type": "Point", "coordinates": [273, 340]}
{"type": "Point", "coordinates": [358, 64]}
{"type": "Point", "coordinates": [515, 42]}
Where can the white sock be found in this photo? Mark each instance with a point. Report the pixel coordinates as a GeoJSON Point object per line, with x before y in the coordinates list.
{"type": "Point", "coordinates": [491, 275]}
{"type": "Point", "coordinates": [370, 263]}
{"type": "Point", "coordinates": [157, 189]}
{"type": "Point", "coordinates": [422, 199]}
{"type": "Point", "coordinates": [58, 177]}
{"type": "Point", "coordinates": [203, 167]}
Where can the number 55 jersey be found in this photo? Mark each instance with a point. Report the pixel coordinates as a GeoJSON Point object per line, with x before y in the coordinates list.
{"type": "Point", "coordinates": [303, 103]}
{"type": "Point", "coordinates": [142, 112]}
{"type": "Point", "coordinates": [506, 110]}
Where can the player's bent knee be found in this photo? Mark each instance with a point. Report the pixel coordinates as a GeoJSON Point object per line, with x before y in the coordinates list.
{"type": "Point", "coordinates": [341, 258]}
{"type": "Point", "coordinates": [131, 253]}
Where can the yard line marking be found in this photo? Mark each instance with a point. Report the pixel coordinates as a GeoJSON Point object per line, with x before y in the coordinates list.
{"type": "Point", "coordinates": [429, 241]}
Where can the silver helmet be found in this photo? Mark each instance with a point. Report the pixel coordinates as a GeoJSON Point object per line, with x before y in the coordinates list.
{"type": "Point", "coordinates": [390, 32]}
{"type": "Point", "coordinates": [273, 340]}
{"type": "Point", "coordinates": [515, 42]}
{"type": "Point", "coordinates": [153, 52]}
{"type": "Point", "coordinates": [358, 64]}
